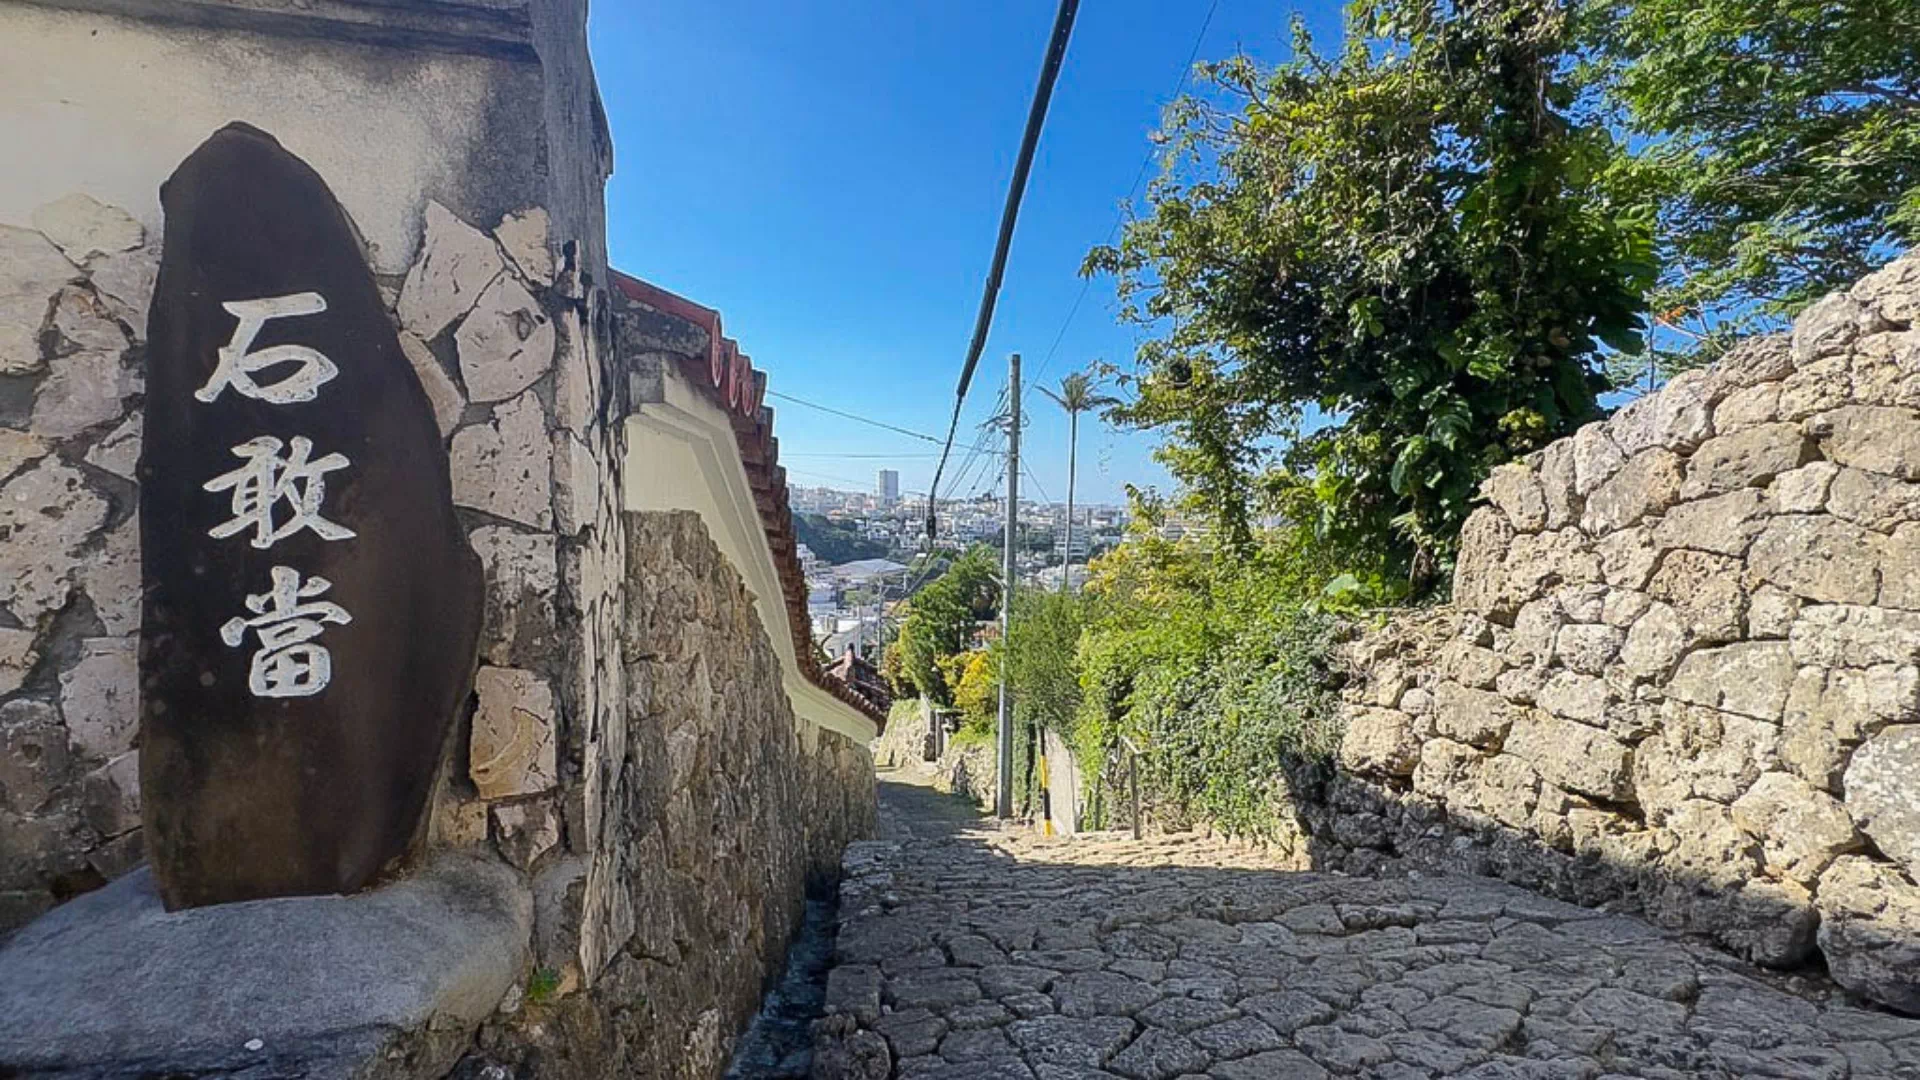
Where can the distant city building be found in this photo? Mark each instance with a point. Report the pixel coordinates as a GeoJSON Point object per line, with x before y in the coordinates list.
{"type": "Point", "coordinates": [887, 487]}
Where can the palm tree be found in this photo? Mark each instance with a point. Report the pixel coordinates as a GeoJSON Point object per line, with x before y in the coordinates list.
{"type": "Point", "coordinates": [1077, 395]}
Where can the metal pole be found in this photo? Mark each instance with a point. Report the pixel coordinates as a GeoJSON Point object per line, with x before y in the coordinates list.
{"type": "Point", "coordinates": [1003, 794]}
{"type": "Point", "coordinates": [1133, 780]}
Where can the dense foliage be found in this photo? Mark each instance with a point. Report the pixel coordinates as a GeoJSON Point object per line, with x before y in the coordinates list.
{"type": "Point", "coordinates": [941, 618]}
{"type": "Point", "coordinates": [1215, 667]}
{"type": "Point", "coordinates": [1402, 260]}
{"type": "Point", "coordinates": [834, 543]}
{"type": "Point", "coordinates": [1782, 138]}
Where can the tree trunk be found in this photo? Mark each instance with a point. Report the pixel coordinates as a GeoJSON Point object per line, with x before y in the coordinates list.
{"type": "Point", "coordinates": [1066, 554]}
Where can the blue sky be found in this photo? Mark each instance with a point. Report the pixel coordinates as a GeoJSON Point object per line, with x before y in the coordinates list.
{"type": "Point", "coordinates": [829, 175]}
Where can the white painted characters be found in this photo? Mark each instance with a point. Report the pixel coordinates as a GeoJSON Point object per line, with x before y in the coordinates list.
{"type": "Point", "coordinates": [267, 480]}
{"type": "Point", "coordinates": [236, 364]}
{"type": "Point", "coordinates": [277, 495]}
{"type": "Point", "coordinates": [288, 663]}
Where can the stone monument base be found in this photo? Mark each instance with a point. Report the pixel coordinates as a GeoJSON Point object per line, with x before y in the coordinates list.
{"type": "Point", "coordinates": [388, 983]}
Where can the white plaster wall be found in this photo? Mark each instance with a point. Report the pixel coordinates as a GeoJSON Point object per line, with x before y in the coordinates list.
{"type": "Point", "coordinates": [109, 106]}
{"type": "Point", "coordinates": [681, 455]}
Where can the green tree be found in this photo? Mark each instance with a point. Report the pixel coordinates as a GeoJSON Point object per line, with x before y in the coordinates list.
{"type": "Point", "coordinates": [1784, 139]}
{"type": "Point", "coordinates": [941, 617]}
{"type": "Point", "coordinates": [835, 543]}
{"type": "Point", "coordinates": [1077, 395]}
{"type": "Point", "coordinates": [1369, 277]}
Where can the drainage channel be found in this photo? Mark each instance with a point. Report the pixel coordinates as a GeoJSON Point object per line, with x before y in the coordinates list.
{"type": "Point", "coordinates": [778, 1044]}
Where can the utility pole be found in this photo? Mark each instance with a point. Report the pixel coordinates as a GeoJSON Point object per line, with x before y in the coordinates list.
{"type": "Point", "coordinates": [1003, 793]}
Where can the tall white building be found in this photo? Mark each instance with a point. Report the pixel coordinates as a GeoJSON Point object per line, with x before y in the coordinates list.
{"type": "Point", "coordinates": [887, 486]}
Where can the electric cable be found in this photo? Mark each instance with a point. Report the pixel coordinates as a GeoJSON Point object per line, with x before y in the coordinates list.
{"type": "Point", "coordinates": [1009, 214]}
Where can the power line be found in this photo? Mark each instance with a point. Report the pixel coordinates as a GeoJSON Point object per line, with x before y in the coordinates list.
{"type": "Point", "coordinates": [836, 454]}
{"type": "Point", "coordinates": [854, 416]}
{"type": "Point", "coordinates": [1086, 282]}
{"type": "Point", "coordinates": [1036, 483]}
{"type": "Point", "coordinates": [1016, 190]}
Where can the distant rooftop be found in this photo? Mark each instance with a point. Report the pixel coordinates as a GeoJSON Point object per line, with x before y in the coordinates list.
{"type": "Point", "coordinates": [863, 569]}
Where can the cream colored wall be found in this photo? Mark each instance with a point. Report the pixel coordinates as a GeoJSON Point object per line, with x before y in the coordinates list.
{"type": "Point", "coordinates": [110, 106]}
{"type": "Point", "coordinates": [681, 455]}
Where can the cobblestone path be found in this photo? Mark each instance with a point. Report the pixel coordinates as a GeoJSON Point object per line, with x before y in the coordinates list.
{"type": "Point", "coordinates": [966, 952]}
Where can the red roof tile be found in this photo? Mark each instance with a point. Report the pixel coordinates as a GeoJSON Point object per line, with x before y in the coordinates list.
{"type": "Point", "coordinates": [726, 376]}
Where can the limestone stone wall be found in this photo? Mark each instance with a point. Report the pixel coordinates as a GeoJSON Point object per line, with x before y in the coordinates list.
{"type": "Point", "coordinates": [727, 810]}
{"type": "Point", "coordinates": [500, 332]}
{"type": "Point", "coordinates": [1682, 668]}
{"type": "Point", "coordinates": [75, 279]}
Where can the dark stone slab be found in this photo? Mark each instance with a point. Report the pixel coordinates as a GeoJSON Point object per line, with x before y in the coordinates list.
{"type": "Point", "coordinates": [390, 982]}
{"type": "Point", "coordinates": [312, 607]}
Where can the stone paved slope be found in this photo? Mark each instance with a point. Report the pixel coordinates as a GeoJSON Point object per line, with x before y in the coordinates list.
{"type": "Point", "coordinates": [973, 953]}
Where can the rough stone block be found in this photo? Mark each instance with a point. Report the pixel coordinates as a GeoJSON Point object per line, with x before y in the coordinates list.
{"type": "Point", "coordinates": [1573, 696]}
{"type": "Point", "coordinates": [1475, 717]}
{"type": "Point", "coordinates": [1680, 416]}
{"type": "Point", "coordinates": [1801, 829]}
{"type": "Point", "coordinates": [1723, 524]}
{"type": "Point", "coordinates": [447, 401]}
{"type": "Point", "coordinates": [1627, 557]}
{"type": "Point", "coordinates": [1871, 500]}
{"type": "Point", "coordinates": [505, 343]}
{"type": "Point", "coordinates": [1852, 635]}
{"type": "Point", "coordinates": [1818, 386]}
{"type": "Point", "coordinates": [17, 657]}
{"type": "Point", "coordinates": [526, 831]}
{"type": "Point", "coordinates": [523, 236]}
{"type": "Point", "coordinates": [1706, 590]}
{"type": "Point", "coordinates": [110, 796]}
{"type": "Point", "coordinates": [1380, 741]}
{"type": "Point", "coordinates": [1556, 484]}
{"type": "Point", "coordinates": [1883, 793]}
{"type": "Point", "coordinates": [118, 451]}
{"type": "Point", "coordinates": [1870, 931]}
{"type": "Point", "coordinates": [32, 271]}
{"type": "Point", "coordinates": [1477, 574]}
{"type": "Point", "coordinates": [1648, 483]}
{"type": "Point", "coordinates": [1588, 648]}
{"type": "Point", "coordinates": [1572, 756]}
{"type": "Point", "coordinates": [1751, 678]}
{"type": "Point", "coordinates": [1886, 369]}
{"type": "Point", "coordinates": [124, 283]}
{"type": "Point", "coordinates": [110, 577]}
{"type": "Point", "coordinates": [1709, 849]}
{"type": "Point", "coordinates": [1747, 407]}
{"type": "Point", "coordinates": [99, 697]}
{"type": "Point", "coordinates": [1893, 291]}
{"type": "Point", "coordinates": [505, 466]}
{"type": "Point", "coordinates": [1771, 611]}
{"type": "Point", "coordinates": [1900, 569]}
{"type": "Point", "coordinates": [35, 763]}
{"type": "Point", "coordinates": [1595, 458]}
{"type": "Point", "coordinates": [1748, 458]}
{"type": "Point", "coordinates": [1700, 752]}
{"type": "Point", "coordinates": [1655, 643]}
{"type": "Point", "coordinates": [457, 262]}
{"type": "Point", "coordinates": [86, 228]}
{"type": "Point", "coordinates": [1828, 327]}
{"type": "Point", "coordinates": [1470, 665]}
{"type": "Point", "coordinates": [83, 390]}
{"type": "Point", "coordinates": [513, 751]}
{"type": "Point", "coordinates": [1762, 358]}
{"type": "Point", "coordinates": [1516, 491]}
{"type": "Point", "coordinates": [523, 576]}
{"type": "Point", "coordinates": [1873, 438]}
{"type": "Point", "coordinates": [310, 986]}
{"type": "Point", "coordinates": [83, 325]}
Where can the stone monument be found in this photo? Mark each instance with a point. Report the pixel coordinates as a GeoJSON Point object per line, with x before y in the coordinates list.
{"type": "Point", "coordinates": [311, 605]}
